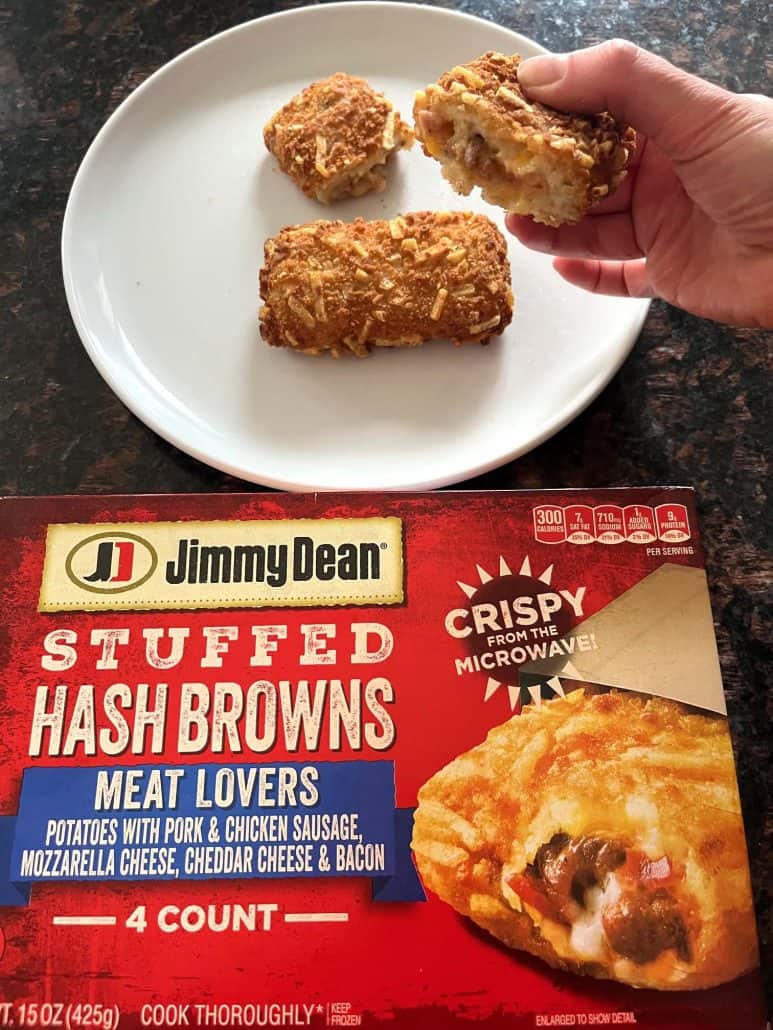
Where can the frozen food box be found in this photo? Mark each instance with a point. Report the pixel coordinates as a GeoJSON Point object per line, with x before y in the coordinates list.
{"type": "Point", "coordinates": [422, 760]}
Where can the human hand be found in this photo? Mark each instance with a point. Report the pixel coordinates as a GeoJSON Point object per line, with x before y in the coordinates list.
{"type": "Point", "coordinates": [692, 222]}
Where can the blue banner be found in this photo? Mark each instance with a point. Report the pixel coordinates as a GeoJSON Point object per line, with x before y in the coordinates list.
{"type": "Point", "coordinates": [209, 822]}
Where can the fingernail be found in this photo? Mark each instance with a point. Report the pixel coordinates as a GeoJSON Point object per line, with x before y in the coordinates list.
{"type": "Point", "coordinates": [541, 71]}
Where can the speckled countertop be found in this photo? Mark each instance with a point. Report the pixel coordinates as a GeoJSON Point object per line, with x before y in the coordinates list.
{"type": "Point", "coordinates": [691, 405]}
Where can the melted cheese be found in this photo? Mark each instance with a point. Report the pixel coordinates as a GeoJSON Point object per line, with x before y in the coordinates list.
{"type": "Point", "coordinates": [588, 940]}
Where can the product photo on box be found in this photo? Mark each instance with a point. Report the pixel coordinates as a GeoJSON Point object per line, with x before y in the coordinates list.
{"type": "Point", "coordinates": [368, 760]}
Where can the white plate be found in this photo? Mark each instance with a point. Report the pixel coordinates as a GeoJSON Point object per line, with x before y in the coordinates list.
{"type": "Point", "coordinates": [163, 238]}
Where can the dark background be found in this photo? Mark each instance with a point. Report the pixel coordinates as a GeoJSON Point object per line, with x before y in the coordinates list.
{"type": "Point", "coordinates": [691, 405]}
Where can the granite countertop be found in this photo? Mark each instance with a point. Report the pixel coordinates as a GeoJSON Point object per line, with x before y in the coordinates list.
{"type": "Point", "coordinates": [690, 406]}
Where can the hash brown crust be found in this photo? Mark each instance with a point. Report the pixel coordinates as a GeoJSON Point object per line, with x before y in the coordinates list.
{"type": "Point", "coordinates": [338, 287]}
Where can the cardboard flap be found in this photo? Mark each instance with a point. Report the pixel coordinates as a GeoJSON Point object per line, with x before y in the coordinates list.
{"type": "Point", "coordinates": [656, 638]}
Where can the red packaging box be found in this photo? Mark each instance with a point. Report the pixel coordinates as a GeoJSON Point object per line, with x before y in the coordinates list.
{"type": "Point", "coordinates": [417, 761]}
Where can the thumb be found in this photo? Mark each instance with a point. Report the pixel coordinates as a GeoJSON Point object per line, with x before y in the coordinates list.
{"type": "Point", "coordinates": [679, 112]}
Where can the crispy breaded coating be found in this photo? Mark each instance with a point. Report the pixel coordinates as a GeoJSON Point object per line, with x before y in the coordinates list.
{"type": "Point", "coordinates": [338, 286]}
{"type": "Point", "coordinates": [335, 137]}
{"type": "Point", "coordinates": [527, 158]}
{"type": "Point", "coordinates": [602, 834]}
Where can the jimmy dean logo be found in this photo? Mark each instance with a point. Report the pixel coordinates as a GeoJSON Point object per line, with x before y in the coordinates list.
{"type": "Point", "coordinates": [223, 564]}
{"type": "Point", "coordinates": [121, 562]}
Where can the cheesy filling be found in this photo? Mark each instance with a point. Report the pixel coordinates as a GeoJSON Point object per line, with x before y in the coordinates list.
{"type": "Point", "coordinates": [588, 939]}
{"type": "Point", "coordinates": [594, 899]}
{"type": "Point", "coordinates": [537, 181]}
{"type": "Point", "coordinates": [458, 138]}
